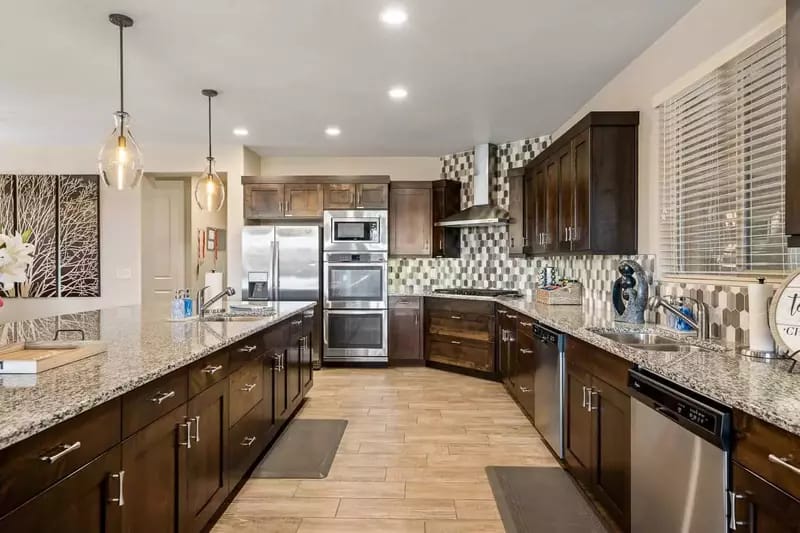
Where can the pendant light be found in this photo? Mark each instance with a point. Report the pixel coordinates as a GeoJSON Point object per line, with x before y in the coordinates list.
{"type": "Point", "coordinates": [120, 160]}
{"type": "Point", "coordinates": [209, 193]}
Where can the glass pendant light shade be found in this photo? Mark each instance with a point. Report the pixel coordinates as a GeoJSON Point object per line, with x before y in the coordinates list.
{"type": "Point", "coordinates": [209, 193]}
{"type": "Point", "coordinates": [120, 160]}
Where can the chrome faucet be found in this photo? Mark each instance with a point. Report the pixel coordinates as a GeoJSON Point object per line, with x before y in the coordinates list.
{"type": "Point", "coordinates": [203, 305]}
{"type": "Point", "coordinates": [700, 324]}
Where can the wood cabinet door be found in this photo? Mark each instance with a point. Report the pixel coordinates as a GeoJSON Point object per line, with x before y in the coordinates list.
{"type": "Point", "coordinates": [530, 209]}
{"type": "Point", "coordinates": [446, 200]}
{"type": "Point", "coordinates": [280, 388]}
{"type": "Point", "coordinates": [410, 222]}
{"type": "Point", "coordinates": [206, 464]}
{"type": "Point", "coordinates": [84, 502]}
{"type": "Point", "coordinates": [551, 205]}
{"type": "Point", "coordinates": [503, 357]}
{"type": "Point", "coordinates": [581, 159]}
{"type": "Point", "coordinates": [578, 424]}
{"type": "Point", "coordinates": [760, 506]}
{"type": "Point", "coordinates": [566, 197]}
{"type": "Point", "coordinates": [154, 461]}
{"type": "Point", "coordinates": [611, 449]}
{"type": "Point", "coordinates": [516, 210]}
{"type": "Point", "coordinates": [524, 371]}
{"type": "Point", "coordinates": [293, 374]}
{"type": "Point", "coordinates": [405, 333]}
{"type": "Point", "coordinates": [372, 196]}
{"type": "Point", "coordinates": [263, 200]}
{"type": "Point", "coordinates": [540, 203]}
{"type": "Point", "coordinates": [339, 196]}
{"type": "Point", "coordinates": [303, 200]}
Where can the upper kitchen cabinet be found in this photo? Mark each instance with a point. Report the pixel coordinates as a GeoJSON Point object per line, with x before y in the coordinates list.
{"type": "Point", "coordinates": [263, 200]}
{"type": "Point", "coordinates": [356, 195]}
{"type": "Point", "coordinates": [410, 218]}
{"type": "Point", "coordinates": [793, 122]}
{"type": "Point", "coordinates": [302, 200]}
{"type": "Point", "coordinates": [581, 190]}
{"type": "Point", "coordinates": [517, 204]}
{"type": "Point", "coordinates": [446, 202]}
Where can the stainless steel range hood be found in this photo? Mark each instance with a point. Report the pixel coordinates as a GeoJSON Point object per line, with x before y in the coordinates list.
{"type": "Point", "coordinates": [481, 213]}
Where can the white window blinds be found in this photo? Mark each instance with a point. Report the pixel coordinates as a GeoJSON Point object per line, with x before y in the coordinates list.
{"type": "Point", "coordinates": [723, 168]}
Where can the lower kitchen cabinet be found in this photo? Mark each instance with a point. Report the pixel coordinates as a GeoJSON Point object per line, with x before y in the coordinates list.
{"type": "Point", "coordinates": [154, 462]}
{"type": "Point", "coordinates": [88, 501]}
{"type": "Point", "coordinates": [760, 506]}
{"type": "Point", "coordinates": [405, 329]}
{"type": "Point", "coordinates": [307, 351]}
{"type": "Point", "coordinates": [206, 472]}
{"type": "Point", "coordinates": [524, 368]}
{"type": "Point", "coordinates": [460, 333]}
{"type": "Point", "coordinates": [293, 352]}
{"type": "Point", "coordinates": [578, 423]}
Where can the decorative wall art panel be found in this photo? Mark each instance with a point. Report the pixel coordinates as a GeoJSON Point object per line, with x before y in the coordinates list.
{"type": "Point", "coordinates": [62, 212]}
{"type": "Point", "coordinates": [79, 235]}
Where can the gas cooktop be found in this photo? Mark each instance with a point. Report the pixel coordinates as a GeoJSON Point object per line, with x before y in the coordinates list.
{"type": "Point", "coordinates": [479, 292]}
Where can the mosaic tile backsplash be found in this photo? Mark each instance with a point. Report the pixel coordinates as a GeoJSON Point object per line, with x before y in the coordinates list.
{"type": "Point", "coordinates": [485, 262]}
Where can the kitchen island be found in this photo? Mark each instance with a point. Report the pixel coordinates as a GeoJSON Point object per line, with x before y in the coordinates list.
{"type": "Point", "coordinates": [155, 433]}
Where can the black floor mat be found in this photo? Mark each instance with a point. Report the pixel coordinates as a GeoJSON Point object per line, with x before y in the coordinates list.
{"type": "Point", "coordinates": [305, 450]}
{"type": "Point", "coordinates": [541, 500]}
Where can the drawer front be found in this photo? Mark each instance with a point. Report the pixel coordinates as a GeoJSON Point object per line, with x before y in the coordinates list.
{"type": "Point", "coordinates": [246, 351]}
{"type": "Point", "coordinates": [247, 439]}
{"type": "Point", "coordinates": [308, 321]}
{"type": "Point", "coordinates": [456, 304]}
{"type": "Point", "coordinates": [152, 400]}
{"type": "Point", "coordinates": [29, 467]}
{"type": "Point", "coordinates": [466, 326]}
{"type": "Point", "coordinates": [475, 355]}
{"type": "Point", "coordinates": [276, 338]}
{"type": "Point", "coordinates": [608, 367]}
{"type": "Point", "coordinates": [405, 302]}
{"type": "Point", "coordinates": [246, 389]}
{"type": "Point", "coordinates": [524, 325]}
{"type": "Point", "coordinates": [770, 452]}
{"type": "Point", "coordinates": [208, 371]}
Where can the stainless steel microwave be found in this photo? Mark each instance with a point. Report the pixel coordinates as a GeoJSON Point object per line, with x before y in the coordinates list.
{"type": "Point", "coordinates": [345, 231]}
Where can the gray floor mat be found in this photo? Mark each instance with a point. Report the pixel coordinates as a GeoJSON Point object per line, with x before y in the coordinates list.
{"type": "Point", "coordinates": [305, 450]}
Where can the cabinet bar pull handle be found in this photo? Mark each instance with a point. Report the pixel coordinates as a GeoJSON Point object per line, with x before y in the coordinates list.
{"type": "Point", "coordinates": [248, 387]}
{"type": "Point", "coordinates": [455, 317]}
{"type": "Point", "coordinates": [525, 350]}
{"type": "Point", "coordinates": [502, 312]}
{"type": "Point", "coordinates": [526, 324]}
{"type": "Point", "coordinates": [455, 342]}
{"type": "Point", "coordinates": [197, 428]}
{"type": "Point", "coordinates": [188, 425]}
{"type": "Point", "coordinates": [120, 476]}
{"type": "Point", "coordinates": [247, 441]}
{"type": "Point", "coordinates": [592, 407]}
{"type": "Point", "coordinates": [246, 348]}
{"type": "Point", "coordinates": [511, 316]}
{"type": "Point", "coordinates": [212, 369]}
{"type": "Point", "coordinates": [583, 401]}
{"type": "Point", "coordinates": [732, 522]}
{"type": "Point", "coordinates": [64, 449]}
{"type": "Point", "coordinates": [297, 322]}
{"type": "Point", "coordinates": [161, 397]}
{"type": "Point", "coordinates": [524, 389]}
{"type": "Point", "coordinates": [784, 462]}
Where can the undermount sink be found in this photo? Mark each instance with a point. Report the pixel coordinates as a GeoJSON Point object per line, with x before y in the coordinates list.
{"type": "Point", "coordinates": [636, 338]}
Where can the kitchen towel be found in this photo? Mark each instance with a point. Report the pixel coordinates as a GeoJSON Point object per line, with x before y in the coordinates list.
{"type": "Point", "coordinates": [214, 283]}
{"type": "Point", "coordinates": [760, 334]}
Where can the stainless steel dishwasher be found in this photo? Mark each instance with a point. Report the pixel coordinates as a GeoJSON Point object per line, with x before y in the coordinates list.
{"type": "Point", "coordinates": [548, 385]}
{"type": "Point", "coordinates": [680, 465]}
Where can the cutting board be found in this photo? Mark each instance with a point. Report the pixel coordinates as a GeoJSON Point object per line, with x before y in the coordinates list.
{"type": "Point", "coordinates": [32, 358]}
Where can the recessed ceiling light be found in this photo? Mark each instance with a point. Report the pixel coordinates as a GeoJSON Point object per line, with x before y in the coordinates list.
{"type": "Point", "coordinates": [394, 16]}
{"type": "Point", "coordinates": [398, 93]}
{"type": "Point", "coordinates": [333, 131]}
{"type": "Point", "coordinates": [240, 132]}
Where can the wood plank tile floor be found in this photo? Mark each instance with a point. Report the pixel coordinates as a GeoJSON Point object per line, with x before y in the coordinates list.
{"type": "Point", "coordinates": [411, 460]}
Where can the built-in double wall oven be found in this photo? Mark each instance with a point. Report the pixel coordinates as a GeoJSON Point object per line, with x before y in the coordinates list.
{"type": "Point", "coordinates": [355, 286]}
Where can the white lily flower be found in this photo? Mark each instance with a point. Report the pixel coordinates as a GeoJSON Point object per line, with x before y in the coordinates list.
{"type": "Point", "coordinates": [15, 256]}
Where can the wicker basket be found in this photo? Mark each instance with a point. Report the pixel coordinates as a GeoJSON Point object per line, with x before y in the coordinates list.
{"type": "Point", "coordinates": [570, 294]}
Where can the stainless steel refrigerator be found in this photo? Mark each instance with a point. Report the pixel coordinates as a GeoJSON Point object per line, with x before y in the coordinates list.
{"type": "Point", "coordinates": [282, 263]}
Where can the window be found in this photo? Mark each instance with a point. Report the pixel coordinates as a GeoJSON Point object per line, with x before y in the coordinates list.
{"type": "Point", "coordinates": [723, 167]}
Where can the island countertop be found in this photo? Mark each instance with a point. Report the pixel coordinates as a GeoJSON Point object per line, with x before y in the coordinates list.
{"type": "Point", "coordinates": [142, 346]}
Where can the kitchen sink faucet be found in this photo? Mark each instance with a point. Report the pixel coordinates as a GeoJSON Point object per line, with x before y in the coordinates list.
{"type": "Point", "coordinates": [699, 324]}
{"type": "Point", "coordinates": [203, 305]}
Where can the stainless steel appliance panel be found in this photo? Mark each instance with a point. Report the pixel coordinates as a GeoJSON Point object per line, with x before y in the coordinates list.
{"type": "Point", "coordinates": [258, 257]}
{"type": "Point", "coordinates": [549, 385]}
{"type": "Point", "coordinates": [355, 281]}
{"type": "Point", "coordinates": [355, 335]}
{"type": "Point", "coordinates": [297, 257]}
{"type": "Point", "coordinates": [356, 230]}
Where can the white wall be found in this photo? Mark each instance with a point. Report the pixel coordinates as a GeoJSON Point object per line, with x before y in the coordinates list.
{"type": "Point", "coordinates": [398, 168]}
{"type": "Point", "coordinates": [711, 33]}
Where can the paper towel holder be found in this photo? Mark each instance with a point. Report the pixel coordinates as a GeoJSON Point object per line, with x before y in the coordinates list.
{"type": "Point", "coordinates": [784, 320]}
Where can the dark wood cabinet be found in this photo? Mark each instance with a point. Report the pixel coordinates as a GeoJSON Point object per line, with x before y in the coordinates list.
{"type": "Point", "coordinates": [410, 218]}
{"type": "Point", "coordinates": [581, 191]}
{"type": "Point", "coordinates": [294, 381]}
{"type": "Point", "coordinates": [87, 501]}
{"type": "Point", "coordinates": [307, 351]}
{"type": "Point", "coordinates": [206, 471]}
{"type": "Point", "coordinates": [517, 208]}
{"type": "Point", "coordinates": [405, 329]}
{"type": "Point", "coordinates": [154, 462]}
{"type": "Point", "coordinates": [446, 198]}
{"type": "Point", "coordinates": [302, 200]}
{"type": "Point", "coordinates": [761, 507]}
{"type": "Point", "coordinates": [263, 201]}
{"type": "Point", "coordinates": [339, 195]}
{"type": "Point", "coordinates": [460, 333]}
{"type": "Point", "coordinates": [506, 346]}
{"type": "Point", "coordinates": [524, 368]}
{"type": "Point", "coordinates": [578, 423]}
{"type": "Point", "coordinates": [356, 196]}
{"type": "Point", "coordinates": [792, 196]}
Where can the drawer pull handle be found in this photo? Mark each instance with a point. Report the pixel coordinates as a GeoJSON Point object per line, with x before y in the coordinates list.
{"type": "Point", "coordinates": [247, 441]}
{"type": "Point", "coordinates": [212, 369]}
{"type": "Point", "coordinates": [526, 324]}
{"type": "Point", "coordinates": [455, 342]}
{"type": "Point", "coordinates": [188, 425]}
{"type": "Point", "coordinates": [297, 322]}
{"type": "Point", "coordinates": [64, 449]}
{"type": "Point", "coordinates": [161, 397]}
{"type": "Point", "coordinates": [502, 312]}
{"type": "Point", "coordinates": [455, 317]}
{"type": "Point", "coordinates": [248, 387]}
{"type": "Point", "coordinates": [120, 477]}
{"type": "Point", "coordinates": [591, 405]}
{"type": "Point", "coordinates": [524, 389]}
{"type": "Point", "coordinates": [784, 462]}
{"type": "Point", "coordinates": [511, 316]}
{"type": "Point", "coordinates": [525, 350]}
{"type": "Point", "coordinates": [246, 348]}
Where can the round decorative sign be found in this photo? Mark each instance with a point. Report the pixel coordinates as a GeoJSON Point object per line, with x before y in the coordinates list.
{"type": "Point", "coordinates": [784, 313]}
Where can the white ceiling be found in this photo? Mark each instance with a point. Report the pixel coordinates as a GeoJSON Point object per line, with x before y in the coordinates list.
{"type": "Point", "coordinates": [476, 70]}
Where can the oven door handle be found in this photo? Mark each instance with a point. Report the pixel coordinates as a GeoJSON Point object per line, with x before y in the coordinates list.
{"type": "Point", "coordinates": [381, 264]}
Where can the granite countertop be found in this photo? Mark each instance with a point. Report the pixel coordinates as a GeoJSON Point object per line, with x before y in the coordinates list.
{"type": "Point", "coordinates": [142, 346]}
{"type": "Point", "coordinates": [764, 389]}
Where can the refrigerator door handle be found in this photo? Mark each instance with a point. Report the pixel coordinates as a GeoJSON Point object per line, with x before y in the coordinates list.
{"type": "Point", "coordinates": [277, 269]}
